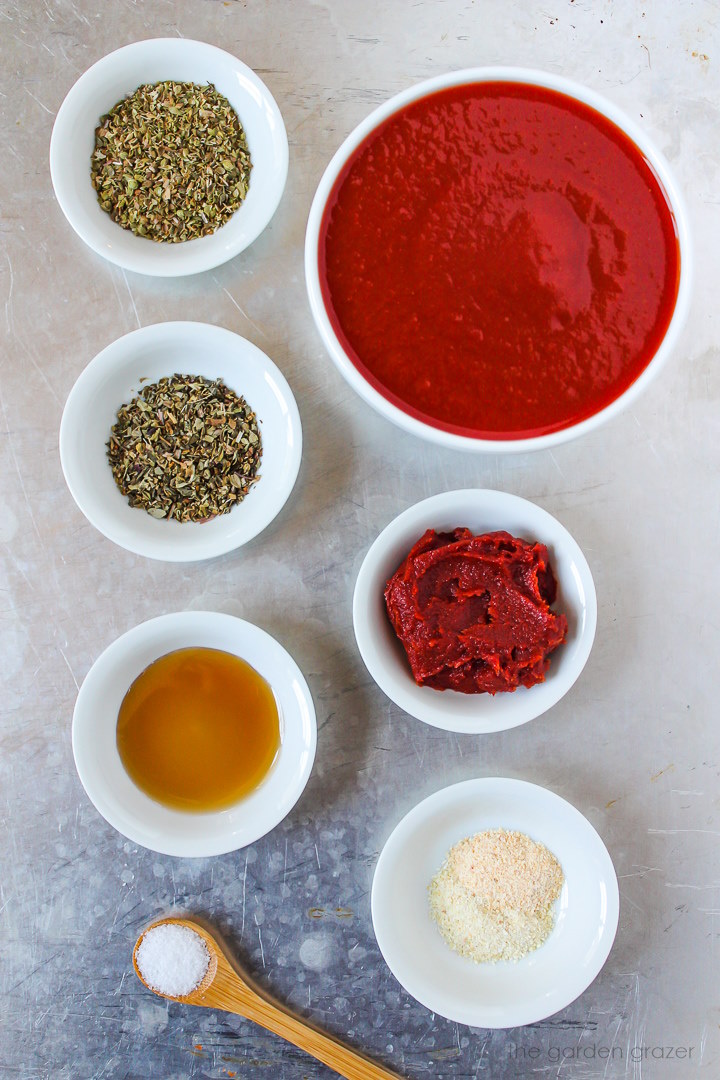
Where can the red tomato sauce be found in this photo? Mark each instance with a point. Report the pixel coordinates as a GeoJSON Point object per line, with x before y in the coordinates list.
{"type": "Point", "coordinates": [499, 260]}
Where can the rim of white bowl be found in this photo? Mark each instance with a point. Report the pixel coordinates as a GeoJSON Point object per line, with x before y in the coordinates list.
{"type": "Point", "coordinates": [422, 89]}
{"type": "Point", "coordinates": [502, 711]}
{"type": "Point", "coordinates": [265, 807]}
{"type": "Point", "coordinates": [163, 548]}
{"type": "Point", "coordinates": [567, 989]}
{"type": "Point", "coordinates": [146, 256]}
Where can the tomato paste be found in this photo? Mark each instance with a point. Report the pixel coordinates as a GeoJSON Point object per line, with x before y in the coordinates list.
{"type": "Point", "coordinates": [499, 260]}
{"type": "Point", "coordinates": [473, 612]}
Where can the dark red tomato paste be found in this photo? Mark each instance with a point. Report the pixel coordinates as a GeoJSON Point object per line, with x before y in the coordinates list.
{"type": "Point", "coordinates": [473, 612]}
{"type": "Point", "coordinates": [499, 260]}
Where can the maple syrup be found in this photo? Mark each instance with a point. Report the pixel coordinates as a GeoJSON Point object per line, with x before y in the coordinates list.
{"type": "Point", "coordinates": [198, 729]}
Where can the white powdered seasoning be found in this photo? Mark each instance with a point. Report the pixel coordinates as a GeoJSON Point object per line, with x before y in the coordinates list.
{"type": "Point", "coordinates": [172, 959]}
{"type": "Point", "coordinates": [493, 896]}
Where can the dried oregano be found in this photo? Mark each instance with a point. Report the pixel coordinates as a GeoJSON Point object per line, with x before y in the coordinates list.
{"type": "Point", "coordinates": [171, 161]}
{"type": "Point", "coordinates": [186, 448]}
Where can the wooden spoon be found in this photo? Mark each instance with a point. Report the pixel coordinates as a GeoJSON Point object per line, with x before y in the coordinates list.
{"type": "Point", "coordinates": [222, 987]}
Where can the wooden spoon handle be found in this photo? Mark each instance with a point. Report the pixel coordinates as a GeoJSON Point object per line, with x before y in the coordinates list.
{"type": "Point", "coordinates": [223, 987]}
{"type": "Point", "coordinates": [338, 1057]}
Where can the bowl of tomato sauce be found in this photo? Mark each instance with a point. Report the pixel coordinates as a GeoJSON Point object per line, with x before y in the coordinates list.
{"type": "Point", "coordinates": [498, 259]}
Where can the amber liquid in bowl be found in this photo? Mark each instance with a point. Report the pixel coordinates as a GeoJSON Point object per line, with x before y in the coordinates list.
{"type": "Point", "coordinates": [198, 730]}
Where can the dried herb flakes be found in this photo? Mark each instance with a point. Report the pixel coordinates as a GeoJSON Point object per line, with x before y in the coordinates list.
{"type": "Point", "coordinates": [171, 161]}
{"type": "Point", "coordinates": [186, 448]}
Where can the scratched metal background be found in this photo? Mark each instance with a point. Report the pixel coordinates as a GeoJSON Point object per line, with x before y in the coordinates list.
{"type": "Point", "coordinates": [634, 745]}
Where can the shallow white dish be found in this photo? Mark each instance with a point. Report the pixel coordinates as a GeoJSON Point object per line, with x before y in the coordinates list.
{"type": "Point", "coordinates": [332, 343]}
{"type": "Point", "coordinates": [135, 814]}
{"type": "Point", "coordinates": [113, 378]}
{"type": "Point", "coordinates": [116, 76]}
{"type": "Point", "coordinates": [505, 994]}
{"type": "Point", "coordinates": [481, 511]}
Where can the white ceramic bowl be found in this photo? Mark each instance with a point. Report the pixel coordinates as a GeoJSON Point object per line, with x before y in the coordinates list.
{"type": "Point", "coordinates": [480, 511]}
{"type": "Point", "coordinates": [120, 74]}
{"type": "Point", "coordinates": [135, 814]}
{"type": "Point", "coordinates": [332, 343]}
{"type": "Point", "coordinates": [505, 994]}
{"type": "Point", "coordinates": [113, 378]}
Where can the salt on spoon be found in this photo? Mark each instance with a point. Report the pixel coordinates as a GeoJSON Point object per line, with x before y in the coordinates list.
{"type": "Point", "coordinates": [173, 959]}
{"type": "Point", "coordinates": [180, 960]}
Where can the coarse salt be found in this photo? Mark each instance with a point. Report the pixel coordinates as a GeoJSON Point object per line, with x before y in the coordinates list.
{"type": "Point", "coordinates": [172, 959]}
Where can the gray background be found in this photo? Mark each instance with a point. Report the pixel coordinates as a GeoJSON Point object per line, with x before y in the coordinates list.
{"type": "Point", "coordinates": [634, 745]}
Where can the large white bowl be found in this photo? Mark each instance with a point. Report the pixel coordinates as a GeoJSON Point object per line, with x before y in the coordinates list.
{"type": "Point", "coordinates": [130, 810]}
{"type": "Point", "coordinates": [114, 377]}
{"type": "Point", "coordinates": [505, 994]}
{"type": "Point", "coordinates": [481, 511]}
{"type": "Point", "coordinates": [338, 162]}
{"type": "Point", "coordinates": [116, 76]}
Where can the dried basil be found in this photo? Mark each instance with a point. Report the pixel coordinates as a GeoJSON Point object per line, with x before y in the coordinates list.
{"type": "Point", "coordinates": [186, 448]}
{"type": "Point", "coordinates": [171, 161]}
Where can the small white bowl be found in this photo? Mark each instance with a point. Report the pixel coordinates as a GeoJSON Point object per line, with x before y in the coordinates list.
{"type": "Point", "coordinates": [480, 511]}
{"type": "Point", "coordinates": [378, 116]}
{"type": "Point", "coordinates": [135, 814]}
{"type": "Point", "coordinates": [116, 76]}
{"type": "Point", "coordinates": [113, 377]}
{"type": "Point", "coordinates": [505, 994]}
